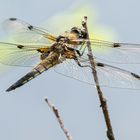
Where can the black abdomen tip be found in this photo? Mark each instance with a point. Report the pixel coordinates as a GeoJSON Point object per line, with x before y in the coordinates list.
{"type": "Point", "coordinates": [10, 88]}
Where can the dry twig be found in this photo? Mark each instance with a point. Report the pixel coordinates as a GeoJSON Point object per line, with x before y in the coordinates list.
{"type": "Point", "coordinates": [59, 119]}
{"type": "Point", "coordinates": [103, 101]}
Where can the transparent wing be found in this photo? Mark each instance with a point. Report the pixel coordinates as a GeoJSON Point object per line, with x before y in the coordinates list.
{"type": "Point", "coordinates": [124, 53]}
{"type": "Point", "coordinates": [115, 77]}
{"type": "Point", "coordinates": [19, 55]}
{"type": "Point", "coordinates": [109, 76]}
{"type": "Point", "coordinates": [23, 32]}
{"type": "Point", "coordinates": [70, 69]}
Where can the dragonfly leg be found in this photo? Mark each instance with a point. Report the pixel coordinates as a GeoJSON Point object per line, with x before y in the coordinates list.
{"type": "Point", "coordinates": [80, 51]}
{"type": "Point", "coordinates": [79, 64]}
{"type": "Point", "coordinates": [81, 46]}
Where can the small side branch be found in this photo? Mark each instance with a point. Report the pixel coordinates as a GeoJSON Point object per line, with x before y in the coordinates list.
{"type": "Point", "coordinates": [103, 101]}
{"type": "Point", "coordinates": [59, 119]}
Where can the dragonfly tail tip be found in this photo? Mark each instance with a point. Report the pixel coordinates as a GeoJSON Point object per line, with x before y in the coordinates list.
{"type": "Point", "coordinates": [10, 89]}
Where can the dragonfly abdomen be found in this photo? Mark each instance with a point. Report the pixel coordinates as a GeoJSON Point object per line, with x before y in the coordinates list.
{"type": "Point", "coordinates": [29, 76]}
{"type": "Point", "coordinates": [40, 68]}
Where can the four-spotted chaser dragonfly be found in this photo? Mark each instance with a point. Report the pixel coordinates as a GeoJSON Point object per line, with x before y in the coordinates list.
{"type": "Point", "coordinates": [68, 55]}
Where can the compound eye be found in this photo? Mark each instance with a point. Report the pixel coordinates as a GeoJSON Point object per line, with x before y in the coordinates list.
{"type": "Point", "coordinates": [75, 30]}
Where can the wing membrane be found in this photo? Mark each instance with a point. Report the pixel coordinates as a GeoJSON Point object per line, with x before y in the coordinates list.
{"type": "Point", "coordinates": [19, 55]}
{"type": "Point", "coordinates": [25, 33]}
{"type": "Point", "coordinates": [109, 76]}
{"type": "Point", "coordinates": [115, 77]}
{"type": "Point", "coordinates": [123, 53]}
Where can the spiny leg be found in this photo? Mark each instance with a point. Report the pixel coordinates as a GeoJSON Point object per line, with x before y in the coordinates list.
{"type": "Point", "coordinates": [79, 51]}
{"type": "Point", "coordinates": [82, 51]}
{"type": "Point", "coordinates": [79, 63]}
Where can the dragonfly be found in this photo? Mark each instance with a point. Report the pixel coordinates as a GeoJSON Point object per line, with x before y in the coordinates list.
{"type": "Point", "coordinates": [67, 54]}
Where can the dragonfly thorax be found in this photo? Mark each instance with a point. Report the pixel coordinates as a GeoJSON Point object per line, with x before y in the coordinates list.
{"type": "Point", "coordinates": [72, 36]}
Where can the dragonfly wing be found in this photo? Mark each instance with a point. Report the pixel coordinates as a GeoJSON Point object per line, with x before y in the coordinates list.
{"type": "Point", "coordinates": [69, 68]}
{"type": "Point", "coordinates": [123, 53]}
{"type": "Point", "coordinates": [117, 52]}
{"type": "Point", "coordinates": [109, 76]}
{"type": "Point", "coordinates": [25, 33]}
{"type": "Point", "coordinates": [19, 55]}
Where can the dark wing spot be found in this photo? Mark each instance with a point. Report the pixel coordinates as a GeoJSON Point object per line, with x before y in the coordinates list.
{"type": "Point", "coordinates": [30, 27]}
{"type": "Point", "coordinates": [20, 46]}
{"type": "Point", "coordinates": [115, 45]}
{"type": "Point", "coordinates": [135, 75]}
{"type": "Point", "coordinates": [12, 19]}
{"type": "Point", "coordinates": [100, 64]}
{"type": "Point", "coordinates": [40, 50]}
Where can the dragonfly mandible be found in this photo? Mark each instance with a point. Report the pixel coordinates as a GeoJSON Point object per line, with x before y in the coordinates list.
{"type": "Point", "coordinates": [67, 54]}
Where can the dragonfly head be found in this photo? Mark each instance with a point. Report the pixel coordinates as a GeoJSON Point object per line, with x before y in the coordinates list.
{"type": "Point", "coordinates": [79, 31]}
